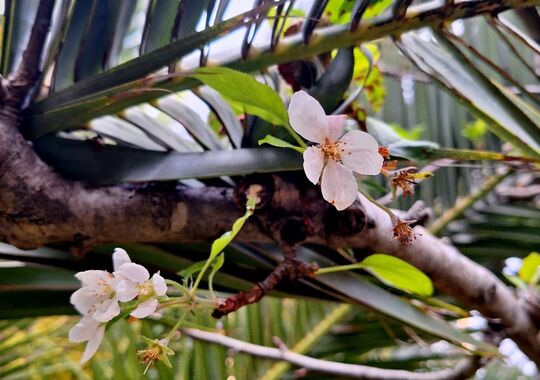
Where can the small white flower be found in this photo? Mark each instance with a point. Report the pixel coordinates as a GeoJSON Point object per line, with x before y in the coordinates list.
{"type": "Point", "coordinates": [137, 283]}
{"type": "Point", "coordinates": [97, 296]}
{"type": "Point", "coordinates": [334, 157]}
{"type": "Point", "coordinates": [87, 330]}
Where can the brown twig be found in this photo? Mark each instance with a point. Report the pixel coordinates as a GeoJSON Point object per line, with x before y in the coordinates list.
{"type": "Point", "coordinates": [289, 269]}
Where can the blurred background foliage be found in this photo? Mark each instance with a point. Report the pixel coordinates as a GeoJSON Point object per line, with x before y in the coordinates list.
{"type": "Point", "coordinates": [504, 223]}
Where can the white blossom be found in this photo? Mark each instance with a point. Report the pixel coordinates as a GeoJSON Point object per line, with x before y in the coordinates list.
{"type": "Point", "coordinates": [334, 157]}
{"type": "Point", "coordinates": [137, 283]}
{"type": "Point", "coordinates": [97, 300]}
{"type": "Point", "coordinates": [87, 330]}
{"type": "Point", "coordinates": [97, 296]}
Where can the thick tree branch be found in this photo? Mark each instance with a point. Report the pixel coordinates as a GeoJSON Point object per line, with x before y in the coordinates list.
{"type": "Point", "coordinates": [456, 275]}
{"type": "Point", "coordinates": [462, 370]}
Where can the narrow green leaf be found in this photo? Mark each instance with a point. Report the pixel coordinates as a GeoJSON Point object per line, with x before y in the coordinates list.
{"type": "Point", "coordinates": [219, 244]}
{"type": "Point", "coordinates": [415, 150]}
{"type": "Point", "coordinates": [144, 65]}
{"type": "Point", "coordinates": [191, 120]}
{"type": "Point", "coordinates": [353, 287]}
{"type": "Point", "coordinates": [245, 92]}
{"type": "Point", "coordinates": [398, 274]}
{"type": "Point", "coordinates": [191, 270]}
{"type": "Point", "coordinates": [64, 69]}
{"type": "Point", "coordinates": [529, 268]}
{"type": "Point", "coordinates": [31, 278]}
{"type": "Point", "coordinates": [274, 141]}
{"type": "Point", "coordinates": [475, 90]}
{"type": "Point", "coordinates": [19, 18]}
{"type": "Point", "coordinates": [94, 49]}
{"type": "Point", "coordinates": [159, 25]}
{"type": "Point", "coordinates": [224, 112]}
{"type": "Point", "coordinates": [115, 164]}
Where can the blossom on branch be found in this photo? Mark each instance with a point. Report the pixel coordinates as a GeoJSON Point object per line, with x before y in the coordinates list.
{"type": "Point", "coordinates": [99, 298]}
{"type": "Point", "coordinates": [334, 157]}
{"type": "Point", "coordinates": [137, 283]}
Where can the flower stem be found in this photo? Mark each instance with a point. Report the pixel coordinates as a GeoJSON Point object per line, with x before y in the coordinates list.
{"type": "Point", "coordinates": [297, 137]}
{"type": "Point", "coordinates": [392, 216]}
{"type": "Point", "coordinates": [338, 268]}
{"type": "Point", "coordinates": [176, 326]}
{"type": "Point", "coordinates": [178, 286]}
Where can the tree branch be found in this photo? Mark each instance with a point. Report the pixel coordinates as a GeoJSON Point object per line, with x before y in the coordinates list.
{"type": "Point", "coordinates": [463, 369]}
{"type": "Point", "coordinates": [456, 275]}
{"type": "Point", "coordinates": [28, 71]}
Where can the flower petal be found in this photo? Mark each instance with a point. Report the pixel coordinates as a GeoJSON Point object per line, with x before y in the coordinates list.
{"type": "Point", "coordinates": [307, 117]}
{"type": "Point", "coordinates": [93, 344]}
{"type": "Point", "coordinates": [107, 310]}
{"type": "Point", "coordinates": [338, 185]}
{"type": "Point", "coordinates": [83, 330]}
{"type": "Point", "coordinates": [84, 298]}
{"type": "Point", "coordinates": [145, 309]}
{"type": "Point", "coordinates": [120, 257]}
{"type": "Point", "coordinates": [134, 272]}
{"type": "Point", "coordinates": [126, 290]}
{"type": "Point", "coordinates": [160, 287]}
{"type": "Point", "coordinates": [92, 277]}
{"type": "Point", "coordinates": [336, 125]}
{"type": "Point", "coordinates": [361, 153]}
{"type": "Point", "coordinates": [313, 163]}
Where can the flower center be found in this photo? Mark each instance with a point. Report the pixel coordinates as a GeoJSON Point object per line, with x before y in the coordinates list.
{"type": "Point", "coordinates": [145, 289]}
{"type": "Point", "coordinates": [331, 150]}
{"type": "Point", "coordinates": [106, 287]}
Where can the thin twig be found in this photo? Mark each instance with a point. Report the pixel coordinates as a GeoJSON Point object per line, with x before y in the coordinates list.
{"type": "Point", "coordinates": [290, 268]}
{"type": "Point", "coordinates": [461, 370]}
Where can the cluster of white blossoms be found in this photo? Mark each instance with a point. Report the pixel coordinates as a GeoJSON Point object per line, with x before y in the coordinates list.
{"type": "Point", "coordinates": [334, 156]}
{"type": "Point", "coordinates": [99, 298]}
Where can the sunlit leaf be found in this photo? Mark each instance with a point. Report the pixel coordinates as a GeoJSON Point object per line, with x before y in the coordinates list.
{"type": "Point", "coordinates": [529, 268]}
{"type": "Point", "coordinates": [274, 141]}
{"type": "Point", "coordinates": [244, 91]}
{"type": "Point", "coordinates": [398, 274]}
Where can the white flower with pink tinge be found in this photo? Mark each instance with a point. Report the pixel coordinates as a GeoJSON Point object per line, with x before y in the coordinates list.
{"type": "Point", "coordinates": [334, 157]}
{"type": "Point", "coordinates": [137, 283]}
{"type": "Point", "coordinates": [97, 296]}
{"type": "Point", "coordinates": [98, 299]}
{"type": "Point", "coordinates": [88, 330]}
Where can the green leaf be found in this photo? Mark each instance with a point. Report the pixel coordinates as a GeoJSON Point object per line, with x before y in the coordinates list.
{"type": "Point", "coordinates": [115, 164]}
{"type": "Point", "coordinates": [529, 268]}
{"type": "Point", "coordinates": [159, 24]}
{"type": "Point", "coordinates": [274, 141]}
{"type": "Point", "coordinates": [32, 278]}
{"type": "Point", "coordinates": [353, 287]}
{"type": "Point", "coordinates": [386, 136]}
{"type": "Point", "coordinates": [475, 90]}
{"type": "Point", "coordinates": [219, 244]}
{"type": "Point", "coordinates": [398, 274]}
{"type": "Point", "coordinates": [19, 18]}
{"type": "Point", "coordinates": [245, 92]}
{"type": "Point", "coordinates": [224, 113]}
{"type": "Point", "coordinates": [191, 270]}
